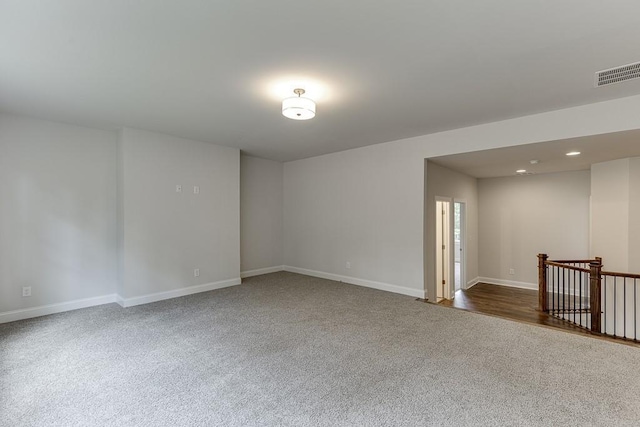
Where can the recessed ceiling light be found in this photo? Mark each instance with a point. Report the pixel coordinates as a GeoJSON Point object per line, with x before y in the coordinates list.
{"type": "Point", "coordinates": [534, 162]}
{"type": "Point", "coordinates": [573, 153]}
{"type": "Point", "coordinates": [521, 171]}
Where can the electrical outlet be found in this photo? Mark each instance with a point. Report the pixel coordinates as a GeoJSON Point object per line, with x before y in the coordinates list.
{"type": "Point", "coordinates": [348, 265]}
{"type": "Point", "coordinates": [196, 189]}
{"type": "Point", "coordinates": [196, 272]}
{"type": "Point", "coordinates": [26, 291]}
{"type": "Point", "coordinates": [178, 188]}
{"type": "Point", "coordinates": [512, 271]}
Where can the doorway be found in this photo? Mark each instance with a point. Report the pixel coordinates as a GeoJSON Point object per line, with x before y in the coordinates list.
{"type": "Point", "coordinates": [444, 290]}
{"type": "Point", "coordinates": [459, 242]}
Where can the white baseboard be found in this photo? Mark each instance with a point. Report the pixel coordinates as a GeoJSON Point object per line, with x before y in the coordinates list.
{"type": "Point", "coordinates": [43, 310]}
{"type": "Point", "coordinates": [418, 293]}
{"type": "Point", "coordinates": [510, 283]}
{"type": "Point", "coordinates": [146, 299]}
{"type": "Point", "coordinates": [119, 300]}
{"type": "Point", "coordinates": [472, 283]}
{"type": "Point", "coordinates": [260, 271]}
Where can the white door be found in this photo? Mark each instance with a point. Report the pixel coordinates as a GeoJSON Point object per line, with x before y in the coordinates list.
{"type": "Point", "coordinates": [444, 290]}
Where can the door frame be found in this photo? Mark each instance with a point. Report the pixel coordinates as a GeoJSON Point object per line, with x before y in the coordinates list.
{"type": "Point", "coordinates": [449, 279]}
{"type": "Point", "coordinates": [463, 241]}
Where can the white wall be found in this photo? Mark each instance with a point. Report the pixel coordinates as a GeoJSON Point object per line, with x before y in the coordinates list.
{"type": "Point", "coordinates": [522, 216]}
{"type": "Point", "coordinates": [86, 214]}
{"type": "Point", "coordinates": [367, 204]}
{"type": "Point", "coordinates": [57, 212]}
{"type": "Point", "coordinates": [615, 205]}
{"type": "Point", "coordinates": [634, 215]}
{"type": "Point", "coordinates": [444, 182]}
{"type": "Point", "coordinates": [610, 213]}
{"type": "Point", "coordinates": [166, 235]}
{"type": "Point", "coordinates": [357, 206]}
{"type": "Point", "coordinates": [261, 202]}
{"type": "Point", "coordinates": [364, 206]}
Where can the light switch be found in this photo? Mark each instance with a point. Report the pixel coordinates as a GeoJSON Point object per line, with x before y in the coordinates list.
{"type": "Point", "coordinates": [196, 189]}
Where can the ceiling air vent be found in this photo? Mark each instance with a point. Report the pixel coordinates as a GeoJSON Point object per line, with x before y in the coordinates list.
{"type": "Point", "coordinates": [618, 74]}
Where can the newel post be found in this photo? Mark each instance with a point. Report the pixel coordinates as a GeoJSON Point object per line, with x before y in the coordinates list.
{"type": "Point", "coordinates": [595, 279]}
{"type": "Point", "coordinates": [542, 282]}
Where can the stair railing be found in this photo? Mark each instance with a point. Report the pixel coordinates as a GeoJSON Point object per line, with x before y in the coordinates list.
{"type": "Point", "coordinates": [582, 293]}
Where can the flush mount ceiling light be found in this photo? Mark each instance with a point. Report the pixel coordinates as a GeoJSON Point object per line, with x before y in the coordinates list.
{"type": "Point", "coordinates": [573, 153]}
{"type": "Point", "coordinates": [521, 171]}
{"type": "Point", "coordinates": [298, 107]}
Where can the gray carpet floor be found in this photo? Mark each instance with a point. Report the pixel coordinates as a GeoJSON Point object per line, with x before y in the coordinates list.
{"type": "Point", "coordinates": [286, 349]}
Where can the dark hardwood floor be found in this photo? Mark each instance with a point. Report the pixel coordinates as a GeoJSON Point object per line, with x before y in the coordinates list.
{"type": "Point", "coordinates": [515, 304]}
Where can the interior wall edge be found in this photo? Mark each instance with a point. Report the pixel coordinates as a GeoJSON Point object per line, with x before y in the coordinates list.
{"type": "Point", "coordinates": [261, 271]}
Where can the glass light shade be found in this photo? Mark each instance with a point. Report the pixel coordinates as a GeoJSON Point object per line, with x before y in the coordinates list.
{"type": "Point", "coordinates": [298, 108]}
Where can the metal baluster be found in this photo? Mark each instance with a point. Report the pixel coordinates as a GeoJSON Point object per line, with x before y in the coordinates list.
{"type": "Point", "coordinates": [553, 284]}
{"type": "Point", "coordinates": [624, 307]}
{"type": "Point", "coordinates": [605, 304]}
{"type": "Point", "coordinates": [563, 294]}
{"type": "Point", "coordinates": [585, 295]}
{"type": "Point", "coordinates": [560, 283]}
{"type": "Point", "coordinates": [574, 296]}
{"type": "Point", "coordinates": [581, 276]}
{"type": "Point", "coordinates": [615, 300]}
{"type": "Point", "coordinates": [557, 282]}
{"type": "Point", "coordinates": [568, 290]}
{"type": "Point", "coordinates": [549, 282]}
{"type": "Point", "coordinates": [570, 283]}
{"type": "Point", "coordinates": [553, 291]}
{"type": "Point", "coordinates": [546, 272]}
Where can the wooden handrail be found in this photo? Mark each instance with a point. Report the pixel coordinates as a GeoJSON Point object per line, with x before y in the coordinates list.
{"type": "Point", "coordinates": [561, 295]}
{"type": "Point", "coordinates": [576, 261]}
{"type": "Point", "coordinates": [568, 267]}
{"type": "Point", "coordinates": [595, 280]}
{"type": "Point", "coordinates": [562, 262]}
{"type": "Point", "coordinates": [627, 275]}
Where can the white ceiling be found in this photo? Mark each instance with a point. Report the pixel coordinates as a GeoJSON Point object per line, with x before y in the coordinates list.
{"type": "Point", "coordinates": [551, 155]}
{"type": "Point", "coordinates": [386, 69]}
